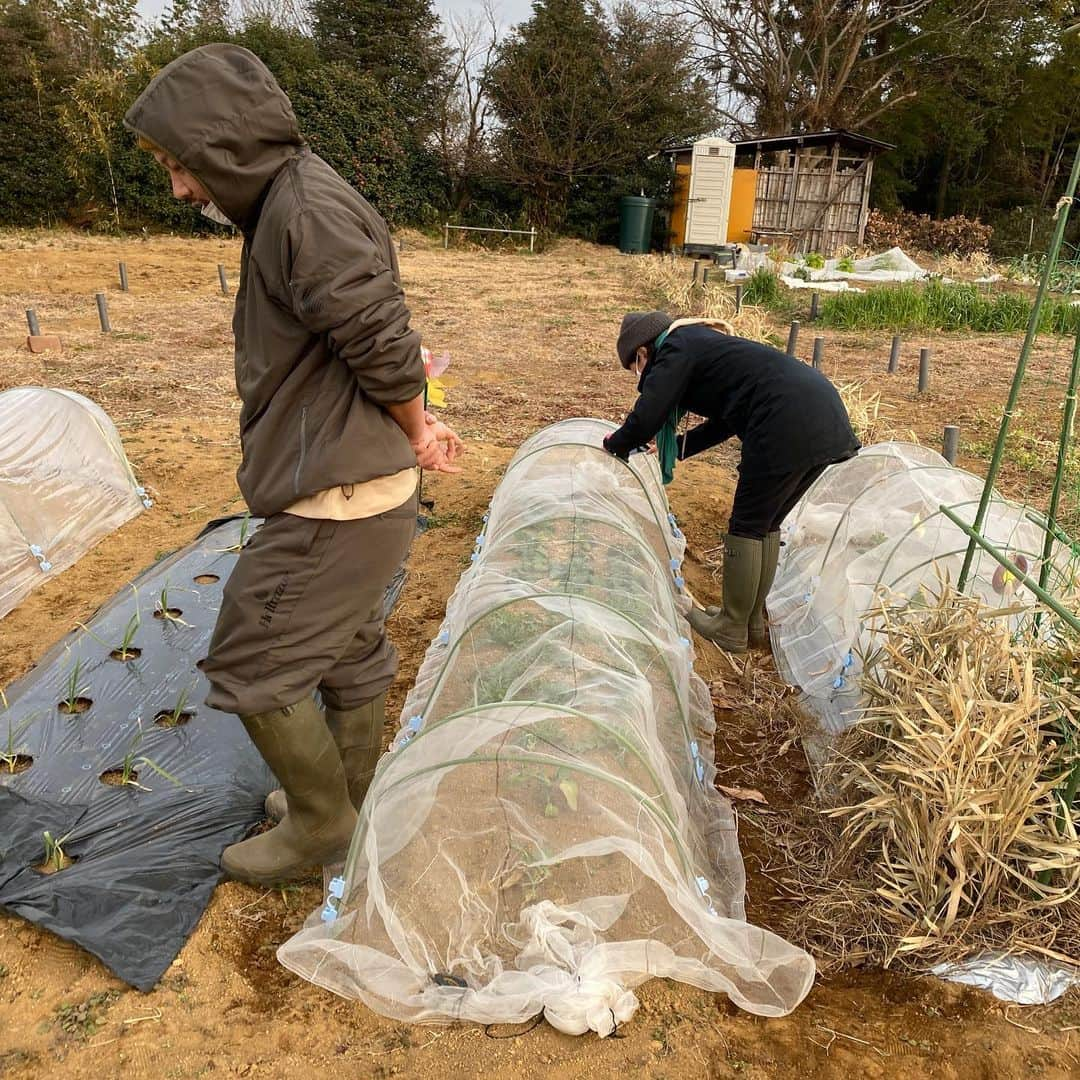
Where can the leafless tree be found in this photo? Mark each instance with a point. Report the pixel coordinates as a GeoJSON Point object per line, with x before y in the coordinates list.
{"type": "Point", "coordinates": [462, 135]}
{"type": "Point", "coordinates": [284, 13]}
{"type": "Point", "coordinates": [800, 65]}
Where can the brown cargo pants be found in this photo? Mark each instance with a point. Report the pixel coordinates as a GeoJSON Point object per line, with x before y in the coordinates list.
{"type": "Point", "coordinates": [303, 609]}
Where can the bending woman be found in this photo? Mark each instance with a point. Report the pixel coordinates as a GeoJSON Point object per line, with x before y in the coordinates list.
{"type": "Point", "coordinates": [789, 418]}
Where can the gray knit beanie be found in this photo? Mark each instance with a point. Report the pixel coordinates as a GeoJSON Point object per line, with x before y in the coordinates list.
{"type": "Point", "coordinates": [639, 328]}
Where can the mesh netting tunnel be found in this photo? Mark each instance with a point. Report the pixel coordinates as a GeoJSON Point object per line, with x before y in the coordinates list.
{"type": "Point", "coordinates": [65, 483]}
{"type": "Point", "coordinates": [544, 834]}
{"type": "Point", "coordinates": [871, 529]}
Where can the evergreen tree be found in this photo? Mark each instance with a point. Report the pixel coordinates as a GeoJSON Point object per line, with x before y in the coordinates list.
{"type": "Point", "coordinates": [584, 99]}
{"type": "Point", "coordinates": [397, 43]}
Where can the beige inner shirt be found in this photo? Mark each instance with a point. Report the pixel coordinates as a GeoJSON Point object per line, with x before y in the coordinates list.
{"type": "Point", "coordinates": [349, 502]}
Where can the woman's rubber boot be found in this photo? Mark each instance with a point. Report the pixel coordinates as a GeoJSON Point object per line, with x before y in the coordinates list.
{"type": "Point", "coordinates": [770, 556]}
{"type": "Point", "coordinates": [318, 826]}
{"type": "Point", "coordinates": [358, 735]}
{"type": "Point", "coordinates": [729, 627]}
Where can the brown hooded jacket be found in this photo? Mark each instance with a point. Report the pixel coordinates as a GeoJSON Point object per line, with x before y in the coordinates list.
{"type": "Point", "coordinates": [322, 331]}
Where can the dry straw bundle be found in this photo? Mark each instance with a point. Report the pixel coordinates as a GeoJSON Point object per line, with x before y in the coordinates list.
{"type": "Point", "coordinates": [958, 826]}
{"type": "Point", "coordinates": [675, 290]}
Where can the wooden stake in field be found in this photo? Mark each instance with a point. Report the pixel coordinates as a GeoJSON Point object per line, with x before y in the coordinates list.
{"type": "Point", "coordinates": [813, 307]}
{"type": "Point", "coordinates": [950, 444]}
{"type": "Point", "coordinates": [222, 280]}
{"type": "Point", "coordinates": [894, 355]}
{"type": "Point", "coordinates": [924, 370]}
{"type": "Point", "coordinates": [32, 322]}
{"type": "Point", "coordinates": [793, 338]}
{"type": "Point", "coordinates": [123, 278]}
{"type": "Point", "coordinates": [819, 352]}
{"type": "Point", "coordinates": [738, 299]}
{"type": "Point", "coordinates": [103, 312]}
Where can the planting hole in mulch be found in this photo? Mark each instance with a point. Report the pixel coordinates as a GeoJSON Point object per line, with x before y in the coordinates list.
{"type": "Point", "coordinates": [17, 763]}
{"type": "Point", "coordinates": [169, 718]}
{"type": "Point", "coordinates": [130, 653]}
{"type": "Point", "coordinates": [115, 778]}
{"type": "Point", "coordinates": [71, 706]}
{"type": "Point", "coordinates": [55, 865]}
{"type": "Point", "coordinates": [168, 613]}
{"type": "Point", "coordinates": [206, 579]}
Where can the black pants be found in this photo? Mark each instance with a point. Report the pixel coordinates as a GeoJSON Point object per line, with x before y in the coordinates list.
{"type": "Point", "coordinates": [763, 500]}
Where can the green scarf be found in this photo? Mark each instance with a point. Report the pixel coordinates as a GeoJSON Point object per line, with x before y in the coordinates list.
{"type": "Point", "coordinates": [667, 446]}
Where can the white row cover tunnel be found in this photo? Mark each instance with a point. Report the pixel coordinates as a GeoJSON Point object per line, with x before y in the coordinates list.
{"type": "Point", "coordinates": [65, 483]}
{"type": "Point", "coordinates": [545, 833]}
{"type": "Point", "coordinates": [871, 530]}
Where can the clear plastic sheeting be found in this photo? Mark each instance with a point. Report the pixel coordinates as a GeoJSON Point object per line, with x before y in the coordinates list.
{"type": "Point", "coordinates": [871, 529]}
{"type": "Point", "coordinates": [65, 483]}
{"type": "Point", "coordinates": [544, 834]}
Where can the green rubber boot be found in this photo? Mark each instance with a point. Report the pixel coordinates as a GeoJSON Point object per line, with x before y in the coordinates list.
{"type": "Point", "coordinates": [318, 826]}
{"type": "Point", "coordinates": [358, 735]}
{"type": "Point", "coordinates": [729, 627]}
{"type": "Point", "coordinates": [770, 556]}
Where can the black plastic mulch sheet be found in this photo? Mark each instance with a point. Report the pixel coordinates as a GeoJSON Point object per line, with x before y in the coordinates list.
{"type": "Point", "coordinates": [145, 853]}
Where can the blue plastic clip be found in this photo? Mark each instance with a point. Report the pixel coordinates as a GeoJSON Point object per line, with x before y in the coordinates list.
{"type": "Point", "coordinates": [703, 885]}
{"type": "Point", "coordinates": [680, 581]}
{"type": "Point", "coordinates": [474, 556]}
{"type": "Point", "coordinates": [677, 533]}
{"type": "Point", "coordinates": [146, 500]}
{"type": "Point", "coordinates": [699, 765]}
{"type": "Point", "coordinates": [414, 724]}
{"type": "Point", "coordinates": [38, 554]}
{"type": "Point", "coordinates": [480, 541]}
{"type": "Point", "coordinates": [685, 641]}
{"type": "Point", "coordinates": [839, 682]}
{"type": "Point", "coordinates": [848, 660]}
{"type": "Point", "coordinates": [443, 638]}
{"type": "Point", "coordinates": [675, 564]}
{"type": "Point", "coordinates": [328, 913]}
{"type": "Point", "coordinates": [337, 887]}
{"type": "Point", "coordinates": [486, 516]}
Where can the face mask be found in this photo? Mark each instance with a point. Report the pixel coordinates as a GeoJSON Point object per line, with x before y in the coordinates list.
{"type": "Point", "coordinates": [640, 373]}
{"type": "Point", "coordinates": [215, 215]}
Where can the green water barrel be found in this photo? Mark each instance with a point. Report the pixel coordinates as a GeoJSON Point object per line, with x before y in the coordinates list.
{"type": "Point", "coordinates": [635, 224]}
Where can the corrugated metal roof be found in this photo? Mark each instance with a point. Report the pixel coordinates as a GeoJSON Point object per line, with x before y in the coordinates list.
{"type": "Point", "coordinates": [810, 138]}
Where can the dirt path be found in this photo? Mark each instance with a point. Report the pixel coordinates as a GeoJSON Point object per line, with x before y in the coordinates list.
{"type": "Point", "coordinates": [532, 342]}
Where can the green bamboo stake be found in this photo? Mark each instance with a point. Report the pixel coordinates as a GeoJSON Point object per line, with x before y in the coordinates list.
{"type": "Point", "coordinates": [1021, 368]}
{"type": "Point", "coordinates": [1059, 473]}
{"type": "Point", "coordinates": [977, 538]}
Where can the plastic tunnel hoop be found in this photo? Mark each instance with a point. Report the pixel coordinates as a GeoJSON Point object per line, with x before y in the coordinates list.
{"type": "Point", "coordinates": [572, 598]}
{"type": "Point", "coordinates": [888, 519]}
{"type": "Point", "coordinates": [534, 841]}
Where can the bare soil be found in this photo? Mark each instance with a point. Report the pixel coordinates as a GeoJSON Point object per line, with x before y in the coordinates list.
{"type": "Point", "coordinates": [532, 341]}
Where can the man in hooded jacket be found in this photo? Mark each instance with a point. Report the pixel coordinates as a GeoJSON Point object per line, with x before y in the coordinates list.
{"type": "Point", "coordinates": [332, 429]}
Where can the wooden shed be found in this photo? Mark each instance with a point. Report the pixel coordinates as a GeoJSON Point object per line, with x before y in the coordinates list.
{"type": "Point", "coordinates": [807, 192]}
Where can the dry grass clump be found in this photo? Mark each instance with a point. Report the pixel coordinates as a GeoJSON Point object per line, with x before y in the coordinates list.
{"type": "Point", "coordinates": [865, 411]}
{"type": "Point", "coordinates": [676, 291]}
{"type": "Point", "coordinates": [957, 825]}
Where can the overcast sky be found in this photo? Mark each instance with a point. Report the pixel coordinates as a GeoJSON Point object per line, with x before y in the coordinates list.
{"type": "Point", "coordinates": [511, 11]}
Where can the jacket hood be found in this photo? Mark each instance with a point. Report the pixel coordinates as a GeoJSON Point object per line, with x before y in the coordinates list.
{"type": "Point", "coordinates": [221, 114]}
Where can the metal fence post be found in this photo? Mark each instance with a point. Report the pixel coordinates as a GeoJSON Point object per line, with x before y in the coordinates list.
{"type": "Point", "coordinates": [793, 338]}
{"type": "Point", "coordinates": [103, 312]}
{"type": "Point", "coordinates": [951, 443]}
